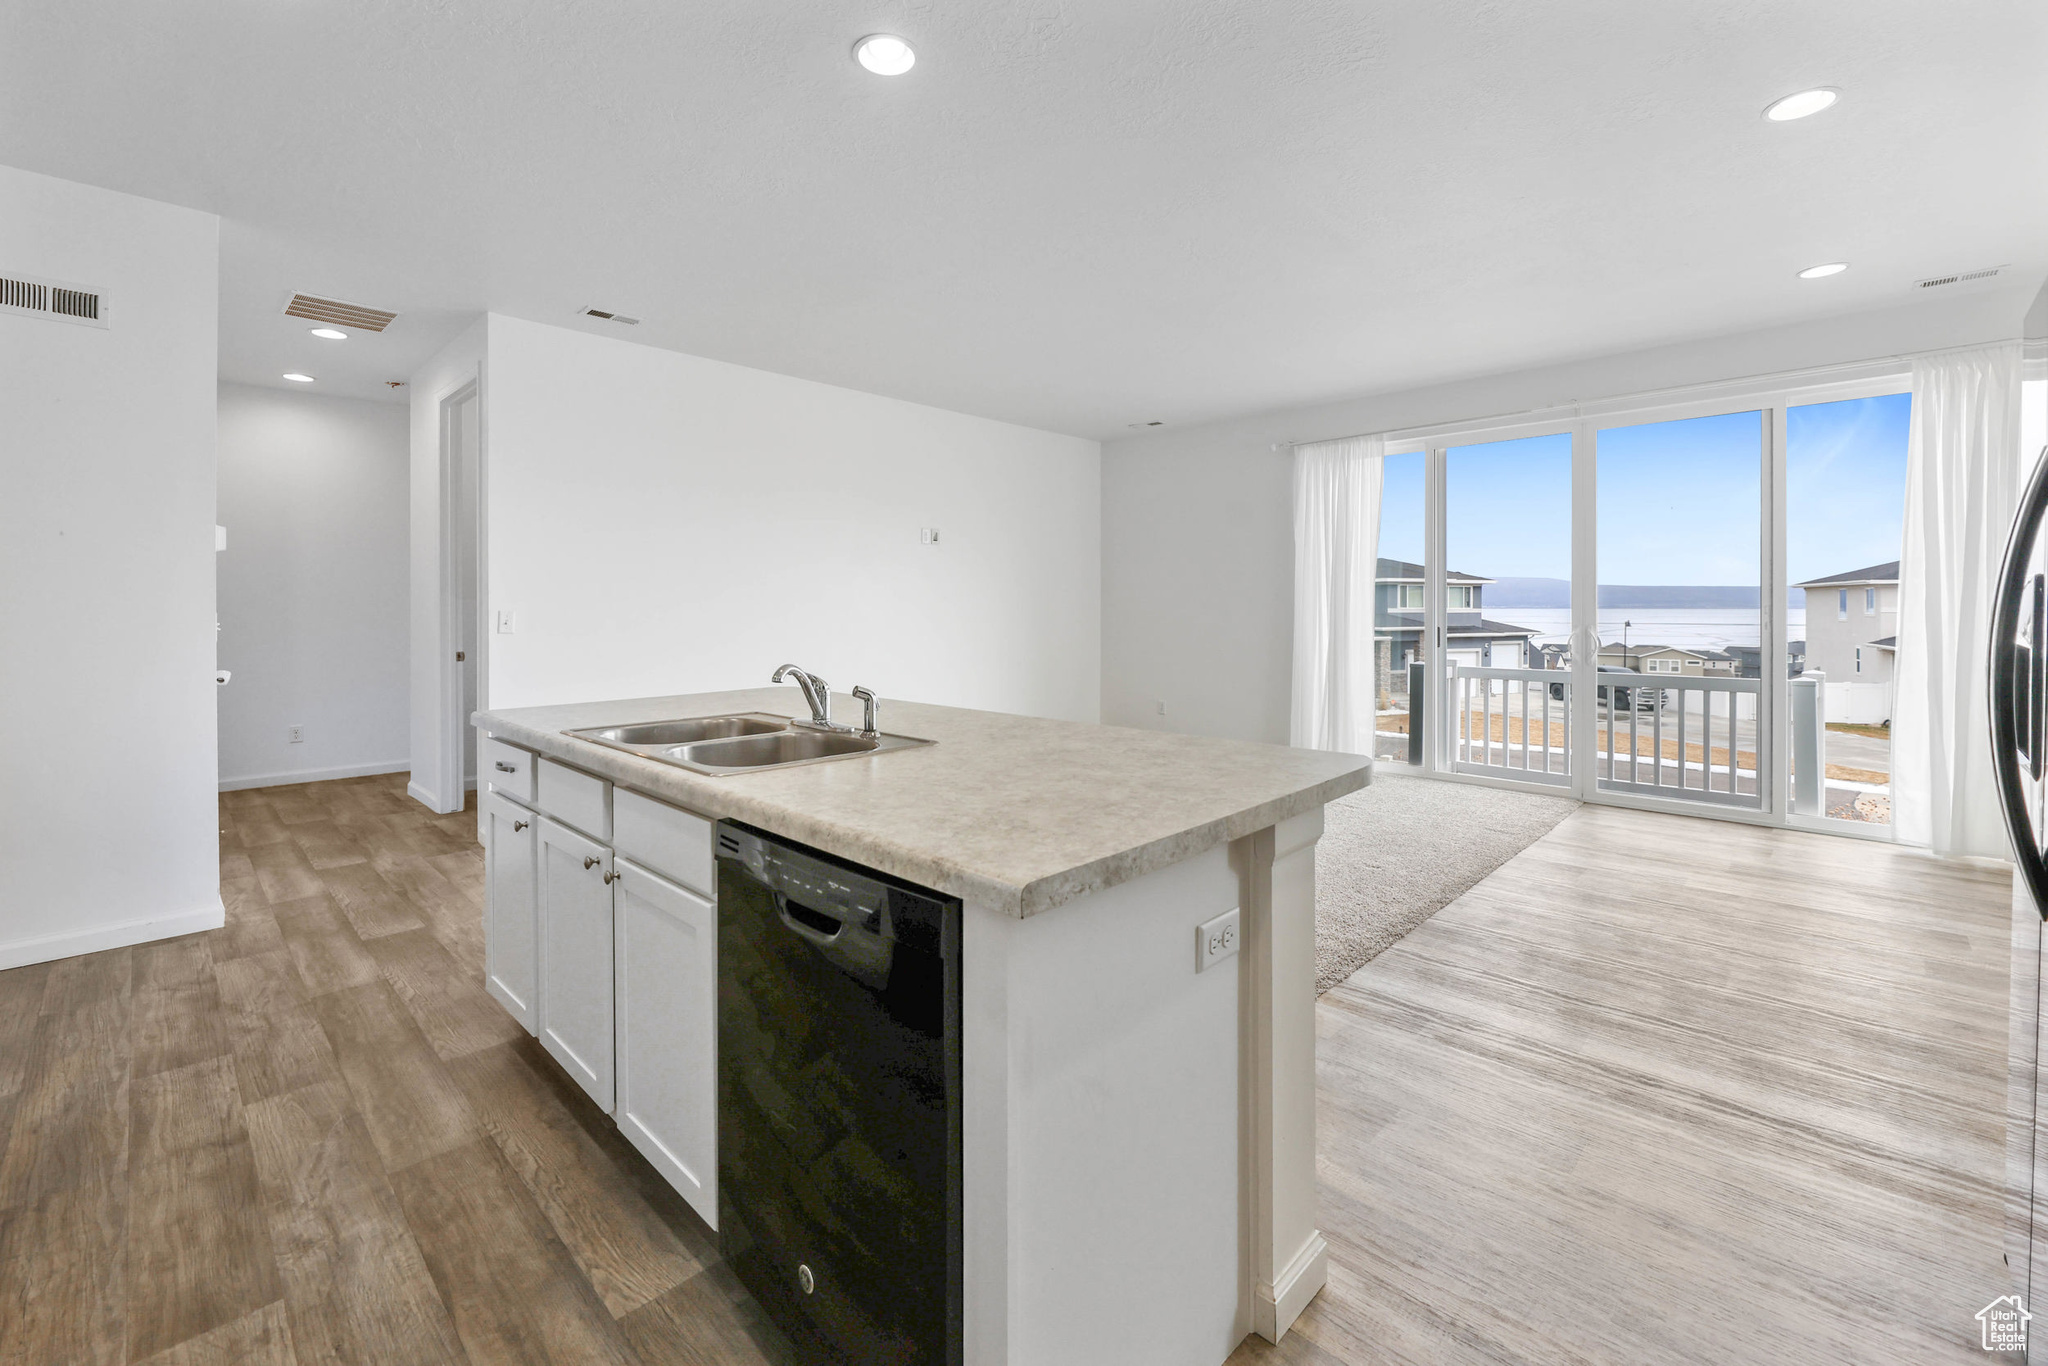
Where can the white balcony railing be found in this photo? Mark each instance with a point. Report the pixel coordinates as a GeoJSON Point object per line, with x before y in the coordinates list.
{"type": "Point", "coordinates": [1693, 737]}
{"type": "Point", "coordinates": [1511, 723]}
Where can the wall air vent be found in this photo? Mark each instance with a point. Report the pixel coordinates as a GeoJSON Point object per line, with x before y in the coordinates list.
{"type": "Point", "coordinates": [1959, 278]}
{"type": "Point", "coordinates": [31, 296]}
{"type": "Point", "coordinates": [338, 313]}
{"type": "Point", "coordinates": [608, 316]}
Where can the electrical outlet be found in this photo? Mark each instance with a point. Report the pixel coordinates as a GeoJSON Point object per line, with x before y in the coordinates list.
{"type": "Point", "coordinates": [1161, 706]}
{"type": "Point", "coordinates": [295, 734]}
{"type": "Point", "coordinates": [1216, 940]}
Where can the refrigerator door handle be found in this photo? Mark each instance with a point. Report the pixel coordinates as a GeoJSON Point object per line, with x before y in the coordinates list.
{"type": "Point", "coordinates": [2017, 693]}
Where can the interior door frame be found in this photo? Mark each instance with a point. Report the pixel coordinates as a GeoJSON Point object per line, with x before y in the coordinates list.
{"type": "Point", "coordinates": [452, 782]}
{"type": "Point", "coordinates": [1772, 398]}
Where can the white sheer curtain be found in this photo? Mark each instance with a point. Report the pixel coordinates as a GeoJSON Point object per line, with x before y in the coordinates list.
{"type": "Point", "coordinates": [1962, 486]}
{"type": "Point", "coordinates": [1336, 565]}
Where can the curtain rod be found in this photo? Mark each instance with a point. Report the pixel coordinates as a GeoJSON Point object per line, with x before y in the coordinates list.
{"type": "Point", "coordinates": [2032, 349]}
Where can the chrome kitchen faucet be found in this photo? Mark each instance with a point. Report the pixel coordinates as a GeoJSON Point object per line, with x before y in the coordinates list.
{"type": "Point", "coordinates": [818, 693]}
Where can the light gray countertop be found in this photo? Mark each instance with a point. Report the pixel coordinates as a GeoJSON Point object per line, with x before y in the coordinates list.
{"type": "Point", "coordinates": [1015, 812]}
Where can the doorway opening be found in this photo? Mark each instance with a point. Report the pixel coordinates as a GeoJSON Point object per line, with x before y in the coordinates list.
{"type": "Point", "coordinates": [462, 637]}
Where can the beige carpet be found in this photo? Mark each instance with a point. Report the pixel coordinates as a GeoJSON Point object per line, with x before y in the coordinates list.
{"type": "Point", "coordinates": [1402, 849]}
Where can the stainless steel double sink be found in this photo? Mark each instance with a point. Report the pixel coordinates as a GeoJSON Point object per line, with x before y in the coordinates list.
{"type": "Point", "coordinates": [741, 743]}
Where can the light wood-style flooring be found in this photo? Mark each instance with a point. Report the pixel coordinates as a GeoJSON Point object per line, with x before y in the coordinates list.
{"type": "Point", "coordinates": [1659, 1090]}
{"type": "Point", "coordinates": [311, 1137]}
{"type": "Point", "coordinates": [1669, 1090]}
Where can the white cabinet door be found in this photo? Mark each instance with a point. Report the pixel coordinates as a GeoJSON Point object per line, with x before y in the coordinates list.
{"type": "Point", "coordinates": [576, 956]}
{"type": "Point", "coordinates": [668, 1031]}
{"type": "Point", "coordinates": [511, 906]}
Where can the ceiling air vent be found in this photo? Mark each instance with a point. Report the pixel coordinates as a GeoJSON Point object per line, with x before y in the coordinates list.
{"type": "Point", "coordinates": [609, 316]}
{"type": "Point", "coordinates": [338, 313]}
{"type": "Point", "coordinates": [30, 296]}
{"type": "Point", "coordinates": [1960, 278]}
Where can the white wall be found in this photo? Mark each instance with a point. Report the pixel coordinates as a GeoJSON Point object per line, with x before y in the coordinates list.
{"type": "Point", "coordinates": [108, 832]}
{"type": "Point", "coordinates": [435, 779]}
{"type": "Point", "coordinates": [313, 586]}
{"type": "Point", "coordinates": [1101, 1083]}
{"type": "Point", "coordinates": [1198, 542]}
{"type": "Point", "coordinates": [661, 523]}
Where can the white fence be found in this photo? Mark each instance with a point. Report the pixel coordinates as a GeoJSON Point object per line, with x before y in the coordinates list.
{"type": "Point", "coordinates": [1868, 704]}
{"type": "Point", "coordinates": [1658, 735]}
{"type": "Point", "coordinates": [1511, 723]}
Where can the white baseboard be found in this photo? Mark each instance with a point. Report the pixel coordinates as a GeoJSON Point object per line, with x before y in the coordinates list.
{"type": "Point", "coordinates": [313, 775]}
{"type": "Point", "coordinates": [429, 800]}
{"type": "Point", "coordinates": [69, 944]}
{"type": "Point", "coordinates": [1275, 1308]}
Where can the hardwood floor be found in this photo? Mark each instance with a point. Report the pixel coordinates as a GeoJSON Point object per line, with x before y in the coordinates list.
{"type": "Point", "coordinates": [311, 1137]}
{"type": "Point", "coordinates": [1669, 1090]}
{"type": "Point", "coordinates": [1658, 1090]}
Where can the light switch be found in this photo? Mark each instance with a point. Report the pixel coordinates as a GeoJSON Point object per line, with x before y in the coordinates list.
{"type": "Point", "coordinates": [1216, 940]}
{"type": "Point", "coordinates": [505, 623]}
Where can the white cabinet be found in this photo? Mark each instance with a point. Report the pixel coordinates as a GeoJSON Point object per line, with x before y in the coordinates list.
{"type": "Point", "coordinates": [576, 956]}
{"type": "Point", "coordinates": [511, 905]}
{"type": "Point", "coordinates": [668, 1030]}
{"type": "Point", "coordinates": [612, 962]}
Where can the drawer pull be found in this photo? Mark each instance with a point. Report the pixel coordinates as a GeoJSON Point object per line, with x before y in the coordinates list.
{"type": "Point", "coordinates": [504, 767]}
{"type": "Point", "coordinates": [518, 826]}
{"type": "Point", "coordinates": [589, 863]}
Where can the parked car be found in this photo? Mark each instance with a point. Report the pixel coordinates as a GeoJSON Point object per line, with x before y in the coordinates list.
{"type": "Point", "coordinates": [1642, 699]}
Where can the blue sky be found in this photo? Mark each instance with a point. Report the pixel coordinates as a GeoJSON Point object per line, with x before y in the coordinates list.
{"type": "Point", "coordinates": [1678, 500]}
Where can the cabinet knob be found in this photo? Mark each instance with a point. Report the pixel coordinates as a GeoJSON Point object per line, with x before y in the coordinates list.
{"type": "Point", "coordinates": [518, 826]}
{"type": "Point", "coordinates": [610, 878]}
{"type": "Point", "coordinates": [589, 863]}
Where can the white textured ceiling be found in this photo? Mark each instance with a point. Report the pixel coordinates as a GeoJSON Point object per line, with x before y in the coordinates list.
{"type": "Point", "coordinates": [1073, 216]}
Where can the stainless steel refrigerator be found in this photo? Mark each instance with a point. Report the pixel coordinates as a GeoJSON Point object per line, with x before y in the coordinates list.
{"type": "Point", "coordinates": [2019, 745]}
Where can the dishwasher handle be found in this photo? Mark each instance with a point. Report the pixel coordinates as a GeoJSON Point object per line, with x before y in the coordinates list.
{"type": "Point", "coordinates": [862, 953]}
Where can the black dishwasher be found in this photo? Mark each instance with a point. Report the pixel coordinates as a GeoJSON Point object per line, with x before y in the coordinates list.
{"type": "Point", "coordinates": [839, 1101]}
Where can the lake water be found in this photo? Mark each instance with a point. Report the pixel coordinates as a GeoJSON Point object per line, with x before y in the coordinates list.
{"type": "Point", "coordinates": [1693, 627]}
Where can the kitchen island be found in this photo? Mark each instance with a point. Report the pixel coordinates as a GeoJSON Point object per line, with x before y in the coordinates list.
{"type": "Point", "coordinates": [1137, 1118]}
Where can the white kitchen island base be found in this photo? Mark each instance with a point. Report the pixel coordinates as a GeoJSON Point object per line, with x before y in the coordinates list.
{"type": "Point", "coordinates": [1139, 1145]}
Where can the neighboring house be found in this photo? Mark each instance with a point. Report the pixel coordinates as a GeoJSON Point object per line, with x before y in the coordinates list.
{"type": "Point", "coordinates": [1749, 659]}
{"type": "Point", "coordinates": [1852, 623]}
{"type": "Point", "coordinates": [1469, 638]}
{"type": "Point", "coordinates": [1665, 659]}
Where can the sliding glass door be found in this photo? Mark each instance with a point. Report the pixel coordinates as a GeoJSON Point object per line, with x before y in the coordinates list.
{"type": "Point", "coordinates": [1682, 606]}
{"type": "Point", "coordinates": [1398, 617]}
{"type": "Point", "coordinates": [1845, 503]}
{"type": "Point", "coordinates": [1679, 705]}
{"type": "Point", "coordinates": [1507, 607]}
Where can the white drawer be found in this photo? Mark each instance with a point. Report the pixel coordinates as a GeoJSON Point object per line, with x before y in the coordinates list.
{"type": "Point", "coordinates": [663, 839]}
{"type": "Point", "coordinates": [575, 798]}
{"type": "Point", "coordinates": [505, 768]}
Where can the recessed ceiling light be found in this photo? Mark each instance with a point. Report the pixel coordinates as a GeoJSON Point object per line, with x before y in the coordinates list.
{"type": "Point", "coordinates": [330, 334]}
{"type": "Point", "coordinates": [297, 378]}
{"type": "Point", "coordinates": [1821, 272]}
{"type": "Point", "coordinates": [884, 54]}
{"type": "Point", "coordinates": [1800, 105]}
